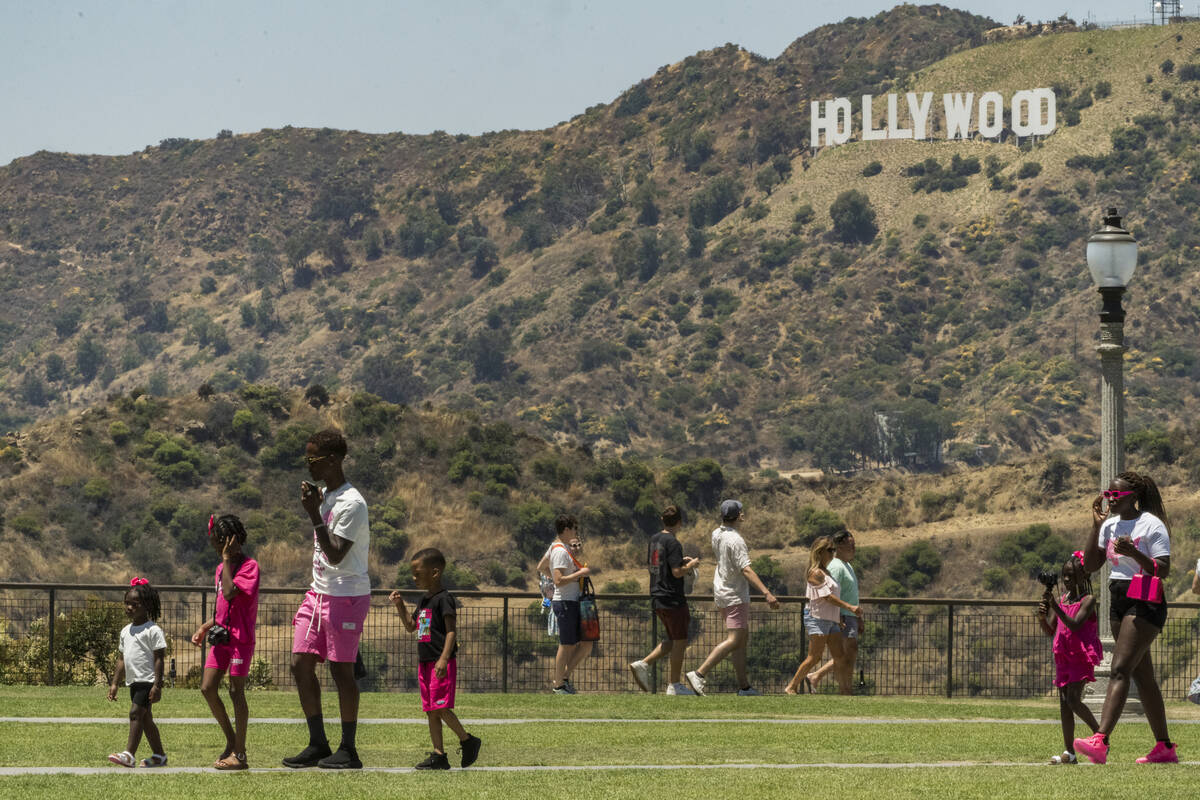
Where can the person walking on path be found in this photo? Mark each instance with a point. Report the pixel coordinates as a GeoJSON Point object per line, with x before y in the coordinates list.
{"type": "Point", "coordinates": [141, 651]}
{"type": "Point", "coordinates": [329, 623]}
{"type": "Point", "coordinates": [568, 573]}
{"type": "Point", "coordinates": [822, 614]}
{"type": "Point", "coordinates": [1072, 623]}
{"type": "Point", "coordinates": [435, 622]}
{"type": "Point", "coordinates": [843, 573]}
{"type": "Point", "coordinates": [236, 580]}
{"type": "Point", "coordinates": [664, 559]}
{"type": "Point", "coordinates": [731, 596]}
{"type": "Point", "coordinates": [1132, 533]}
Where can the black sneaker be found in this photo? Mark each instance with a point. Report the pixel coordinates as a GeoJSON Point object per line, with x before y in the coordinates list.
{"type": "Point", "coordinates": [470, 750]}
{"type": "Point", "coordinates": [342, 759]}
{"type": "Point", "coordinates": [435, 761]}
{"type": "Point", "coordinates": [308, 757]}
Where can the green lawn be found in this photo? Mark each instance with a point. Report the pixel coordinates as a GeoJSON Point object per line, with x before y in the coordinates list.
{"type": "Point", "coordinates": [688, 741]}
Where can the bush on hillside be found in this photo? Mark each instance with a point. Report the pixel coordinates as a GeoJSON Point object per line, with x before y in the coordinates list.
{"type": "Point", "coordinates": [853, 218]}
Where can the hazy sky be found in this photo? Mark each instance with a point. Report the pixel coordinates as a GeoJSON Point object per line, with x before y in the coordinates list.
{"type": "Point", "coordinates": [112, 76]}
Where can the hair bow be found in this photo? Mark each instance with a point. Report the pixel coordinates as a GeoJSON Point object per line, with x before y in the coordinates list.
{"type": "Point", "coordinates": [1079, 555]}
{"type": "Point", "coordinates": [211, 519]}
{"type": "Point", "coordinates": [136, 581]}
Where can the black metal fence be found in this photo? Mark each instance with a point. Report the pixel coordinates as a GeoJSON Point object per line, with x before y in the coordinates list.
{"type": "Point", "coordinates": [66, 633]}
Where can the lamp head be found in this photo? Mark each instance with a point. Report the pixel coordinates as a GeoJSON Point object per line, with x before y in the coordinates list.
{"type": "Point", "coordinates": [1112, 254]}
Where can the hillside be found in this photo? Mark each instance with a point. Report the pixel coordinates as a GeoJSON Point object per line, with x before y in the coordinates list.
{"type": "Point", "coordinates": [126, 486]}
{"type": "Point", "coordinates": [660, 275]}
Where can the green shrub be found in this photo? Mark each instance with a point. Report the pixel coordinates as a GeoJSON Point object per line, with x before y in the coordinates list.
{"type": "Point", "coordinates": [638, 609]}
{"type": "Point", "coordinates": [853, 218]}
{"type": "Point", "coordinates": [389, 542]}
{"type": "Point", "coordinates": [1033, 549]}
{"type": "Point", "coordinates": [457, 577]}
{"type": "Point", "coordinates": [534, 527]}
{"type": "Point", "coordinates": [260, 675]}
{"type": "Point", "coordinates": [771, 573]}
{"type": "Point", "coordinates": [872, 169]}
{"type": "Point", "coordinates": [1030, 169]}
{"type": "Point", "coordinates": [919, 563]}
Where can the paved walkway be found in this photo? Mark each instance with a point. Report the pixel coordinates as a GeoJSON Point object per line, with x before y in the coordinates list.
{"type": "Point", "coordinates": [573, 720]}
{"type": "Point", "coordinates": [15, 771]}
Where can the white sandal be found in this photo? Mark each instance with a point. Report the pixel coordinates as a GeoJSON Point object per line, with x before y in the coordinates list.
{"type": "Point", "coordinates": [122, 759]}
{"type": "Point", "coordinates": [156, 760]}
{"type": "Point", "coordinates": [1066, 758]}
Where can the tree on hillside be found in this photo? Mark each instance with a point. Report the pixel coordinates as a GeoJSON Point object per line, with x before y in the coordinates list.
{"type": "Point", "coordinates": [390, 375]}
{"type": "Point", "coordinates": [853, 218]}
{"type": "Point", "coordinates": [342, 198]}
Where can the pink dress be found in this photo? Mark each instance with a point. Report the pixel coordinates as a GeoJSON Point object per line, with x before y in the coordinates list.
{"type": "Point", "coordinates": [1076, 653]}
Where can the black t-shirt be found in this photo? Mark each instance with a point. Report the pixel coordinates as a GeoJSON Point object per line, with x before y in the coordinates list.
{"type": "Point", "coordinates": [430, 616]}
{"type": "Point", "coordinates": [663, 554]}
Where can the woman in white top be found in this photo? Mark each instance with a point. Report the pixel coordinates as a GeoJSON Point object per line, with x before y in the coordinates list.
{"type": "Point", "coordinates": [822, 613]}
{"type": "Point", "coordinates": [1132, 534]}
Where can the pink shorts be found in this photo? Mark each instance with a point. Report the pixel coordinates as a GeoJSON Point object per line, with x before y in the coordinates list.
{"type": "Point", "coordinates": [330, 627]}
{"type": "Point", "coordinates": [234, 657]}
{"type": "Point", "coordinates": [736, 617]}
{"type": "Point", "coordinates": [437, 694]}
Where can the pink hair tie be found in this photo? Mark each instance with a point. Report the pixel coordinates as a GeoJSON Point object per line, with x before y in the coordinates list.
{"type": "Point", "coordinates": [211, 517]}
{"type": "Point", "coordinates": [136, 581]}
{"type": "Point", "coordinates": [1078, 554]}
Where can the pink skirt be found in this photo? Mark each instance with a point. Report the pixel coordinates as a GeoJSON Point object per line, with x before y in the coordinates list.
{"type": "Point", "coordinates": [1073, 670]}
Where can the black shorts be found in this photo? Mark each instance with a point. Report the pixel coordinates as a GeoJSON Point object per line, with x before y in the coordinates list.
{"type": "Point", "coordinates": [1121, 606]}
{"type": "Point", "coordinates": [567, 613]}
{"type": "Point", "coordinates": [139, 693]}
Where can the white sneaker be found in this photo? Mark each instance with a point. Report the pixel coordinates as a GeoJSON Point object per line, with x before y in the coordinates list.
{"type": "Point", "coordinates": [679, 689]}
{"type": "Point", "coordinates": [696, 681]}
{"type": "Point", "coordinates": [749, 692]}
{"type": "Point", "coordinates": [641, 674]}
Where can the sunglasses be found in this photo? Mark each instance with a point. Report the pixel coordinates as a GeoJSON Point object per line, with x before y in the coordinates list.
{"type": "Point", "coordinates": [315, 459]}
{"type": "Point", "coordinates": [1110, 496]}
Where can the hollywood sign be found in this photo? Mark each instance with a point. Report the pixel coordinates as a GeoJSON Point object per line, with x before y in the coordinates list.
{"type": "Point", "coordinates": [1032, 113]}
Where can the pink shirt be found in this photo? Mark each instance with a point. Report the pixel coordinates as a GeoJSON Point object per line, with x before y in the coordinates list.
{"type": "Point", "coordinates": [241, 617]}
{"type": "Point", "coordinates": [819, 605]}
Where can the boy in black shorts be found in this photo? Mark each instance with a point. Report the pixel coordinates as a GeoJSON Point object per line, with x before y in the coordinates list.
{"type": "Point", "coordinates": [664, 559]}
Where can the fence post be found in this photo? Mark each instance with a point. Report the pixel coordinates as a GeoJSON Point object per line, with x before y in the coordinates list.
{"type": "Point", "coordinates": [950, 650]}
{"type": "Point", "coordinates": [50, 632]}
{"type": "Point", "coordinates": [203, 618]}
{"type": "Point", "coordinates": [654, 643]}
{"type": "Point", "coordinates": [505, 649]}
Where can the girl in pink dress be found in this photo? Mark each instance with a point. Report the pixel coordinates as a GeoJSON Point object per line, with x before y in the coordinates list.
{"type": "Point", "coordinates": [1077, 650]}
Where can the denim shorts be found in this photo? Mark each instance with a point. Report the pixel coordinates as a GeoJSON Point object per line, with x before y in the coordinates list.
{"type": "Point", "coordinates": [819, 627]}
{"type": "Point", "coordinates": [567, 613]}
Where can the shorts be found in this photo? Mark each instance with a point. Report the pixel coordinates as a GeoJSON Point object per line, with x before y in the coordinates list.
{"type": "Point", "coordinates": [1072, 670]}
{"type": "Point", "coordinates": [437, 694]}
{"type": "Point", "coordinates": [737, 617]}
{"type": "Point", "coordinates": [330, 627]}
{"type": "Point", "coordinates": [139, 693]}
{"type": "Point", "coordinates": [676, 620]}
{"type": "Point", "coordinates": [1121, 606]}
{"type": "Point", "coordinates": [232, 656]}
{"type": "Point", "coordinates": [819, 627]}
{"type": "Point", "coordinates": [850, 626]}
{"type": "Point", "coordinates": [566, 612]}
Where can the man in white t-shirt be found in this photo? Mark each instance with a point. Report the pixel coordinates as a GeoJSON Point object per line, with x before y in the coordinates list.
{"type": "Point", "coordinates": [731, 596]}
{"type": "Point", "coordinates": [329, 624]}
{"type": "Point", "coordinates": [567, 571]}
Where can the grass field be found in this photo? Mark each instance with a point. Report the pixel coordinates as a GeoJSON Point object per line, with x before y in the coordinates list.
{"type": "Point", "coordinates": [615, 745]}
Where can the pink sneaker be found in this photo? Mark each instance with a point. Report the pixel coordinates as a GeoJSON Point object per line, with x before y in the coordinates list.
{"type": "Point", "coordinates": [1095, 749]}
{"type": "Point", "coordinates": [1161, 754]}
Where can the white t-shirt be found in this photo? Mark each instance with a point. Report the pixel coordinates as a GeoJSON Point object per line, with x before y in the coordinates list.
{"type": "Point", "coordinates": [138, 643]}
{"type": "Point", "coordinates": [730, 586]}
{"type": "Point", "coordinates": [560, 558]}
{"type": "Point", "coordinates": [345, 513]}
{"type": "Point", "coordinates": [1149, 536]}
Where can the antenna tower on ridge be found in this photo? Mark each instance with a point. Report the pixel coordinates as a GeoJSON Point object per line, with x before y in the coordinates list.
{"type": "Point", "coordinates": [1166, 11]}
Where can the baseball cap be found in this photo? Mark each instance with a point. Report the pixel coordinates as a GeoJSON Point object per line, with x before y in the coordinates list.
{"type": "Point", "coordinates": [730, 508]}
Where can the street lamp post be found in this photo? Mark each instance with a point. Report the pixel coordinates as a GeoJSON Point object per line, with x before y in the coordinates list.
{"type": "Point", "coordinates": [1112, 259]}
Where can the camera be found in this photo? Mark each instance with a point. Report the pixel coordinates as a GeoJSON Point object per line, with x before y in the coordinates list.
{"type": "Point", "coordinates": [218, 634]}
{"type": "Point", "coordinates": [1048, 579]}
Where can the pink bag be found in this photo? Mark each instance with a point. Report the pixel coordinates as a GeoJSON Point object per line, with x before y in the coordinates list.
{"type": "Point", "coordinates": [1146, 587]}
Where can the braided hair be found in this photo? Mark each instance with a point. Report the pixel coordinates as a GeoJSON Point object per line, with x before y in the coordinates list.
{"type": "Point", "coordinates": [147, 595]}
{"type": "Point", "coordinates": [229, 526]}
{"type": "Point", "coordinates": [1146, 491]}
{"type": "Point", "coordinates": [1081, 579]}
